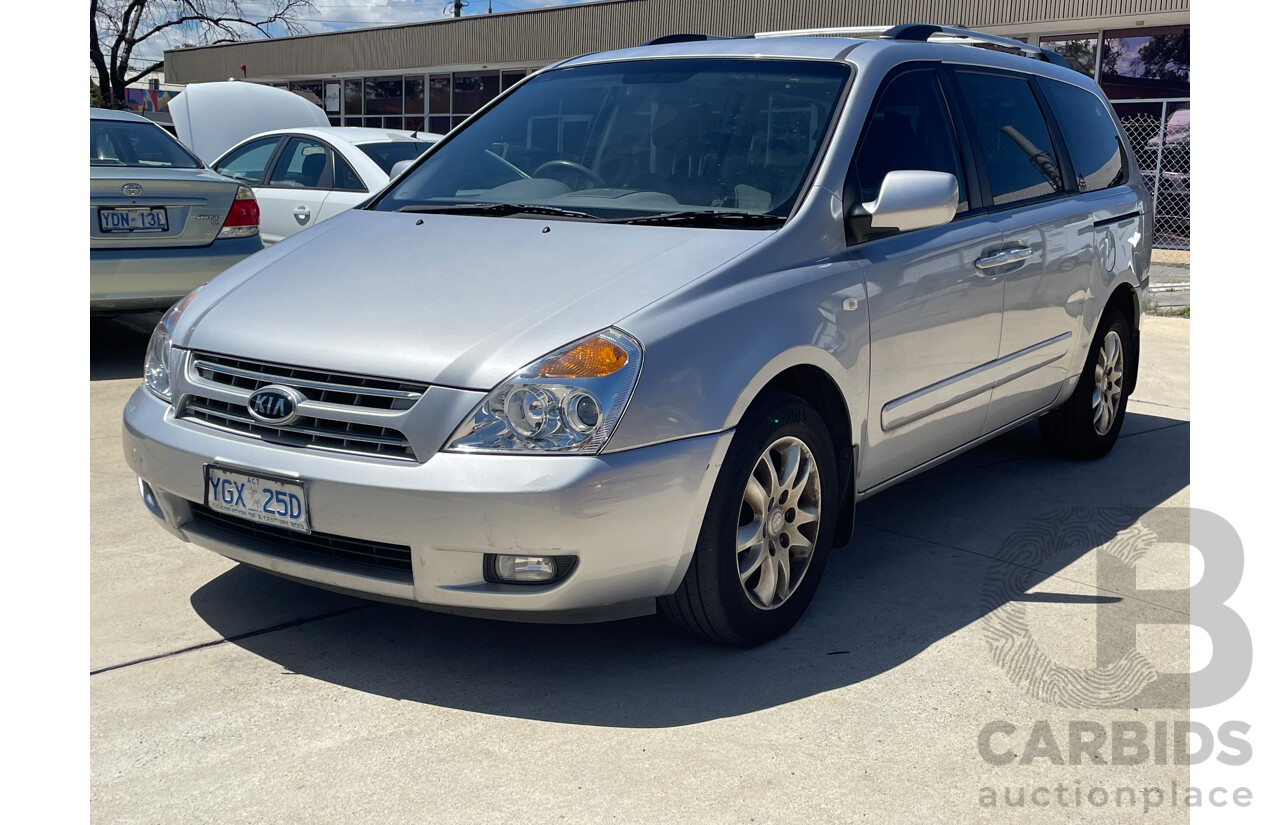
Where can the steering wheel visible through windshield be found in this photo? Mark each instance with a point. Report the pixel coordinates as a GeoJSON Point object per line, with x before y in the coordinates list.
{"type": "Point", "coordinates": [638, 139]}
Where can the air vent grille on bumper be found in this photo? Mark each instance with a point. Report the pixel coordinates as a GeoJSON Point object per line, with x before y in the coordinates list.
{"type": "Point", "coordinates": [388, 561]}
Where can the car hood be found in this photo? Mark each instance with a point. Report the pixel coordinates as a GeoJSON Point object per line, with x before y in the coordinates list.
{"type": "Point", "coordinates": [460, 301]}
{"type": "Point", "coordinates": [210, 118]}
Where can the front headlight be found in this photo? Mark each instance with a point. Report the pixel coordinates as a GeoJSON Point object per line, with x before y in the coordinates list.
{"type": "Point", "coordinates": [567, 402]}
{"type": "Point", "coordinates": [155, 371]}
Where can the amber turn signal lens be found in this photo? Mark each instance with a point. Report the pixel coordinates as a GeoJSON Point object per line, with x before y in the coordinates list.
{"type": "Point", "coordinates": [591, 359]}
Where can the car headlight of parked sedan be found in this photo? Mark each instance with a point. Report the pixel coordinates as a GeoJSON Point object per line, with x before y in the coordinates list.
{"type": "Point", "coordinates": [567, 402]}
{"type": "Point", "coordinates": [159, 361]}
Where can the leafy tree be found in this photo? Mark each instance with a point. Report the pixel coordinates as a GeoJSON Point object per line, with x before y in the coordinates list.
{"type": "Point", "coordinates": [95, 95]}
{"type": "Point", "coordinates": [1167, 56]}
{"type": "Point", "coordinates": [1078, 53]}
{"type": "Point", "coordinates": [118, 27]}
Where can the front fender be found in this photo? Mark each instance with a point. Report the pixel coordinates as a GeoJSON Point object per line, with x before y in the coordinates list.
{"type": "Point", "coordinates": [711, 349]}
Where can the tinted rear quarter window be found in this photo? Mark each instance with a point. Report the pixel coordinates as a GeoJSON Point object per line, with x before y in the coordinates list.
{"type": "Point", "coordinates": [1097, 153]}
{"type": "Point", "coordinates": [1012, 136]}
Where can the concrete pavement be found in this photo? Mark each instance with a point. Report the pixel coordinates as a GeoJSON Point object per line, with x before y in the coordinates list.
{"type": "Point", "coordinates": [220, 694]}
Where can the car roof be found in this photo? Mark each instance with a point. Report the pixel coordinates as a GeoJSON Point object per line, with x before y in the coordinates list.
{"type": "Point", "coordinates": [115, 114]}
{"type": "Point", "coordinates": [845, 48]}
{"type": "Point", "coordinates": [812, 48]}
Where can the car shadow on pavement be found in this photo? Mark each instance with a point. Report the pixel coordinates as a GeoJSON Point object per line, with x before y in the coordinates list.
{"type": "Point", "coordinates": [920, 568]}
{"type": "Point", "coordinates": [118, 345]}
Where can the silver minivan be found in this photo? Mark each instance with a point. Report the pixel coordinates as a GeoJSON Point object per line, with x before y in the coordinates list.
{"type": "Point", "coordinates": [640, 333]}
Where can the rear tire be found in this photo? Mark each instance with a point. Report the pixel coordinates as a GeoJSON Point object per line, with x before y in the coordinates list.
{"type": "Point", "coordinates": [768, 529]}
{"type": "Point", "coordinates": [1088, 423]}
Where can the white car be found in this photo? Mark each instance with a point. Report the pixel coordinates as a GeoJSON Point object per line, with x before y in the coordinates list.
{"type": "Point", "coordinates": [304, 175]}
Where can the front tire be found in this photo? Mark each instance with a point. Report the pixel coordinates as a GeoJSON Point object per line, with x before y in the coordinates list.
{"type": "Point", "coordinates": [1087, 425]}
{"type": "Point", "coordinates": [768, 529]}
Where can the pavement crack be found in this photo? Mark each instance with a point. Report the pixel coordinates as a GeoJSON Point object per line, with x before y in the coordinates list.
{"type": "Point", "coordinates": [247, 635]}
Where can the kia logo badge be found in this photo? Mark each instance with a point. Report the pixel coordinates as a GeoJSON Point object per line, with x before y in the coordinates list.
{"type": "Point", "coordinates": [275, 405]}
{"type": "Point", "coordinates": [131, 190]}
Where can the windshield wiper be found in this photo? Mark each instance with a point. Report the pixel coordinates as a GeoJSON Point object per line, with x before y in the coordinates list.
{"type": "Point", "coordinates": [709, 217]}
{"type": "Point", "coordinates": [498, 210]}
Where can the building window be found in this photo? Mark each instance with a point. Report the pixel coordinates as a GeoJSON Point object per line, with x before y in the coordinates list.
{"type": "Point", "coordinates": [383, 96]}
{"type": "Point", "coordinates": [414, 95]}
{"type": "Point", "coordinates": [1146, 63]}
{"type": "Point", "coordinates": [353, 97]}
{"type": "Point", "coordinates": [312, 90]}
{"type": "Point", "coordinates": [472, 90]}
{"type": "Point", "coordinates": [1080, 50]}
{"type": "Point", "coordinates": [440, 85]}
{"type": "Point", "coordinates": [510, 79]}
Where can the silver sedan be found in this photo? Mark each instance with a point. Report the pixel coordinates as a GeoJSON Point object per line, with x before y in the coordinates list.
{"type": "Point", "coordinates": [160, 222]}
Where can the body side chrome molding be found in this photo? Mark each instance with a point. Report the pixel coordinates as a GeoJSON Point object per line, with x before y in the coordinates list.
{"type": "Point", "coordinates": [961, 387]}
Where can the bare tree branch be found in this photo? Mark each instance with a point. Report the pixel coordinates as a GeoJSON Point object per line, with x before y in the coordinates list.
{"type": "Point", "coordinates": [123, 25]}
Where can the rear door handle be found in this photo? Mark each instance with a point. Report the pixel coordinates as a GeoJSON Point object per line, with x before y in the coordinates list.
{"type": "Point", "coordinates": [302, 214]}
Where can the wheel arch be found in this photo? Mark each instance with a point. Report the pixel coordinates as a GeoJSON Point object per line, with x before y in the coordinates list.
{"type": "Point", "coordinates": [816, 386]}
{"type": "Point", "coordinates": [1124, 299]}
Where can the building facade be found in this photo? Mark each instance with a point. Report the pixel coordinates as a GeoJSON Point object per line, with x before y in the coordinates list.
{"type": "Point", "coordinates": [433, 75]}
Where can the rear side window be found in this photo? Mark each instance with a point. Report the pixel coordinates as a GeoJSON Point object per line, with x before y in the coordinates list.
{"type": "Point", "coordinates": [1013, 137]}
{"type": "Point", "coordinates": [248, 163]}
{"type": "Point", "coordinates": [909, 129]}
{"type": "Point", "coordinates": [344, 177]}
{"type": "Point", "coordinates": [1097, 153]}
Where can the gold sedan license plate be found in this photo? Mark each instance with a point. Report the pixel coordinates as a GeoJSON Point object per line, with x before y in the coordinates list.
{"type": "Point", "coordinates": [273, 501]}
{"type": "Point", "coordinates": [150, 219]}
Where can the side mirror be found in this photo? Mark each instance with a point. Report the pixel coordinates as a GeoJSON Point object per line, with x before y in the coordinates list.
{"type": "Point", "coordinates": [399, 166]}
{"type": "Point", "coordinates": [909, 199]}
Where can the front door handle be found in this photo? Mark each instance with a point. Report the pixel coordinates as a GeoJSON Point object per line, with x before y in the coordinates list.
{"type": "Point", "coordinates": [995, 259]}
{"type": "Point", "coordinates": [1001, 257]}
{"type": "Point", "coordinates": [1016, 254]}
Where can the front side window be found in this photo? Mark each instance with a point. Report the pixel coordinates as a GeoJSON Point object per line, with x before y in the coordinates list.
{"type": "Point", "coordinates": [304, 164]}
{"type": "Point", "coordinates": [1097, 153]}
{"type": "Point", "coordinates": [1013, 137]}
{"type": "Point", "coordinates": [248, 163]}
{"type": "Point", "coordinates": [909, 129]}
{"type": "Point", "coordinates": [654, 136]}
{"type": "Point", "coordinates": [136, 144]}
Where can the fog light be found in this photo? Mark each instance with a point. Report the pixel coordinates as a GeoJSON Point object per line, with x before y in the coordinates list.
{"type": "Point", "coordinates": [149, 498]}
{"type": "Point", "coordinates": [526, 568]}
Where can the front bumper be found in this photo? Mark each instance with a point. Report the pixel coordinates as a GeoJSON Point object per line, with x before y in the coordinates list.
{"type": "Point", "coordinates": [123, 279]}
{"type": "Point", "coordinates": [631, 518]}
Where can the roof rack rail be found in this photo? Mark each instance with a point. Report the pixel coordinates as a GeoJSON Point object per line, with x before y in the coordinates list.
{"type": "Point", "coordinates": [682, 38]}
{"type": "Point", "coordinates": [922, 32]}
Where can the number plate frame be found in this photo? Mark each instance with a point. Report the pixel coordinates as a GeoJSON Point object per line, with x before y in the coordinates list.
{"type": "Point", "coordinates": [251, 494]}
{"type": "Point", "coordinates": [135, 213]}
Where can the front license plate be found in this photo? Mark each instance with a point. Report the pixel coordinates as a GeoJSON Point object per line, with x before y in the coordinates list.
{"type": "Point", "coordinates": [154, 219]}
{"type": "Point", "coordinates": [274, 501]}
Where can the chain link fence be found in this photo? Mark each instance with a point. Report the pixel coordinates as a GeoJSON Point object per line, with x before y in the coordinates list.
{"type": "Point", "coordinates": [1161, 136]}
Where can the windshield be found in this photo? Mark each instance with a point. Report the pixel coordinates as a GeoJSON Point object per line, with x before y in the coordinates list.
{"type": "Point", "coordinates": [662, 138]}
{"type": "Point", "coordinates": [391, 152]}
{"type": "Point", "coordinates": [121, 143]}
